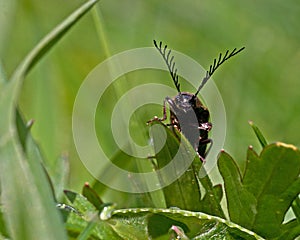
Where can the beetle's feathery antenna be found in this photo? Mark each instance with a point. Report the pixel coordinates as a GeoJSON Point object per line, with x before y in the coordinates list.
{"type": "Point", "coordinates": [215, 66]}
{"type": "Point", "coordinates": [169, 61]}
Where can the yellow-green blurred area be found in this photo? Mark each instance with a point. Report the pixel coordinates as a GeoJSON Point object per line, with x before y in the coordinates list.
{"type": "Point", "coordinates": [260, 84]}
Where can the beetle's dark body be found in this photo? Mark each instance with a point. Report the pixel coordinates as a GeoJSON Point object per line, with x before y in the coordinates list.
{"type": "Point", "coordinates": [187, 113]}
{"type": "Point", "coordinates": [184, 106]}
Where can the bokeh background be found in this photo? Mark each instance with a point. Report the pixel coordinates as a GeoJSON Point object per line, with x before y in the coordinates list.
{"type": "Point", "coordinates": [262, 84]}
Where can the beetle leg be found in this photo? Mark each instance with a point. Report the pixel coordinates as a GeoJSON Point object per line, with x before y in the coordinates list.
{"type": "Point", "coordinates": [201, 158]}
{"type": "Point", "coordinates": [167, 99]}
{"type": "Point", "coordinates": [205, 126]}
{"type": "Point", "coordinates": [206, 141]}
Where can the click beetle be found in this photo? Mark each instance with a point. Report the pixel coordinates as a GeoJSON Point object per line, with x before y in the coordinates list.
{"type": "Point", "coordinates": [185, 107]}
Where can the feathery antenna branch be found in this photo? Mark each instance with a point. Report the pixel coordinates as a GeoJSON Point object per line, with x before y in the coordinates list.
{"type": "Point", "coordinates": [217, 64]}
{"type": "Point", "coordinates": [169, 62]}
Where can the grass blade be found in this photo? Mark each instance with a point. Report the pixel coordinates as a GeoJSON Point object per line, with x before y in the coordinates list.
{"type": "Point", "coordinates": [25, 193]}
{"type": "Point", "coordinates": [259, 135]}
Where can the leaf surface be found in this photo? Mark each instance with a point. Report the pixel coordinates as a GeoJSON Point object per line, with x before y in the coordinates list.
{"type": "Point", "coordinates": [260, 198]}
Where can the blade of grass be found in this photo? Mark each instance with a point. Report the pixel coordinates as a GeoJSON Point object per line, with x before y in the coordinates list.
{"type": "Point", "coordinates": [259, 135]}
{"type": "Point", "coordinates": [97, 17]}
{"type": "Point", "coordinates": [29, 207]}
{"type": "Point", "coordinates": [50, 40]}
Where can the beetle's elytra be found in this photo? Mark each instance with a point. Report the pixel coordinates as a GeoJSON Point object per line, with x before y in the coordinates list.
{"type": "Point", "coordinates": [185, 106]}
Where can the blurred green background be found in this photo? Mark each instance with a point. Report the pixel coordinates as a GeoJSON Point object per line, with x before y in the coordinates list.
{"type": "Point", "coordinates": [260, 85]}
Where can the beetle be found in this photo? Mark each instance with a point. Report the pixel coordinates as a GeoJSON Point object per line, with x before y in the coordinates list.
{"type": "Point", "coordinates": [187, 113]}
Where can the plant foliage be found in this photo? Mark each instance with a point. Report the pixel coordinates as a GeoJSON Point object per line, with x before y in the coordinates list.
{"type": "Point", "coordinates": [257, 198]}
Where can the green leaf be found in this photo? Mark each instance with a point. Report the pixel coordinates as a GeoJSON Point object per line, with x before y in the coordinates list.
{"type": "Point", "coordinates": [147, 223]}
{"type": "Point", "coordinates": [26, 195]}
{"type": "Point", "coordinates": [92, 196]}
{"type": "Point", "coordinates": [185, 192]}
{"type": "Point", "coordinates": [22, 129]}
{"type": "Point", "coordinates": [84, 207]}
{"type": "Point", "coordinates": [211, 203]}
{"type": "Point", "coordinates": [259, 135]}
{"type": "Point", "coordinates": [239, 202]}
{"type": "Point", "coordinates": [177, 193]}
{"type": "Point", "coordinates": [156, 224]}
{"type": "Point", "coordinates": [3, 229]}
{"type": "Point", "coordinates": [290, 230]}
{"type": "Point", "coordinates": [83, 220]}
{"type": "Point", "coordinates": [296, 208]}
{"type": "Point", "coordinates": [59, 175]}
{"type": "Point", "coordinates": [260, 199]}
